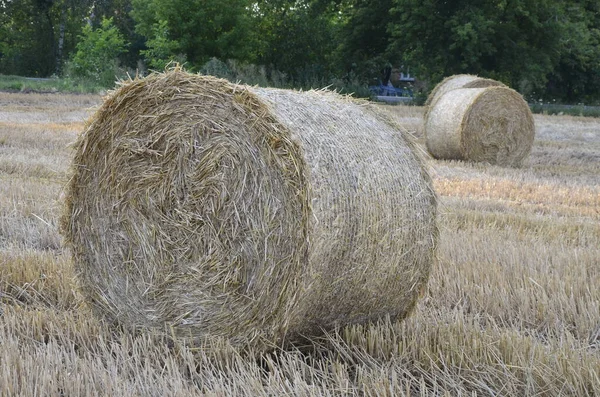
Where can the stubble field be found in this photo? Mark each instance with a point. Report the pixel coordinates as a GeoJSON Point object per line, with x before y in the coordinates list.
{"type": "Point", "coordinates": [512, 307]}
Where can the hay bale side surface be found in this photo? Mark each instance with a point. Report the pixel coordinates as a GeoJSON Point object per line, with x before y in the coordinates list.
{"type": "Point", "coordinates": [493, 125]}
{"type": "Point", "coordinates": [460, 81]}
{"type": "Point", "coordinates": [367, 209]}
{"type": "Point", "coordinates": [257, 215]}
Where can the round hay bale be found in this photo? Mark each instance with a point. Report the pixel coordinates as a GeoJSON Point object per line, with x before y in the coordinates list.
{"type": "Point", "coordinates": [493, 125]}
{"type": "Point", "coordinates": [460, 81]}
{"type": "Point", "coordinates": [253, 214]}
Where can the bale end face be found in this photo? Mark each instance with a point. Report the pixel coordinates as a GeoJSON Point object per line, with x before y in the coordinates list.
{"type": "Point", "coordinates": [492, 125]}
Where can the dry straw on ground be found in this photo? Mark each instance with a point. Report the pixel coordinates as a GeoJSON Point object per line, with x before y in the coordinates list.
{"type": "Point", "coordinates": [460, 81]}
{"type": "Point", "coordinates": [492, 125]}
{"type": "Point", "coordinates": [258, 215]}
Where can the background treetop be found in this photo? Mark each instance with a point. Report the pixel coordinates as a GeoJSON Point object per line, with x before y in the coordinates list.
{"type": "Point", "coordinates": [546, 49]}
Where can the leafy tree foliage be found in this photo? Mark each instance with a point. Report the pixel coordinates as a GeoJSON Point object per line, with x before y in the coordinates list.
{"type": "Point", "coordinates": [160, 49]}
{"type": "Point", "coordinates": [362, 29]}
{"type": "Point", "coordinates": [120, 12]}
{"type": "Point", "coordinates": [516, 41]}
{"type": "Point", "coordinates": [37, 36]}
{"type": "Point", "coordinates": [296, 39]}
{"type": "Point", "coordinates": [548, 49]}
{"type": "Point", "coordinates": [197, 29]}
{"type": "Point", "coordinates": [577, 75]}
{"type": "Point", "coordinates": [97, 53]}
{"type": "Point", "coordinates": [27, 40]}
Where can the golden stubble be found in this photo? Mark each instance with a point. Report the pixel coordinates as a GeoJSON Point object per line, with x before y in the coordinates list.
{"type": "Point", "coordinates": [511, 308]}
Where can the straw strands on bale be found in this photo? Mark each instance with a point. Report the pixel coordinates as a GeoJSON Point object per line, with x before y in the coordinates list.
{"type": "Point", "coordinates": [257, 215]}
{"type": "Point", "coordinates": [460, 81]}
{"type": "Point", "coordinates": [491, 125]}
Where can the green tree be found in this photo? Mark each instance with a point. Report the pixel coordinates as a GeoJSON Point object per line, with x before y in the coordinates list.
{"type": "Point", "coordinates": [296, 38]}
{"type": "Point", "coordinates": [120, 12]}
{"type": "Point", "coordinates": [197, 29]}
{"type": "Point", "coordinates": [37, 36]}
{"type": "Point", "coordinates": [97, 53]}
{"type": "Point", "coordinates": [577, 75]}
{"type": "Point", "coordinates": [160, 49]}
{"type": "Point", "coordinates": [27, 41]}
{"type": "Point", "coordinates": [363, 37]}
{"type": "Point", "coordinates": [516, 41]}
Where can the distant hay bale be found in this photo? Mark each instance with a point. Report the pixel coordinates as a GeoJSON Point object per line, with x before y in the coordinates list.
{"type": "Point", "coordinates": [460, 81]}
{"type": "Point", "coordinates": [493, 125]}
{"type": "Point", "coordinates": [258, 215]}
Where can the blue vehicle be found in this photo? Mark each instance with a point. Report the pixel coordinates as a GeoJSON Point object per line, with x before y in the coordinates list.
{"type": "Point", "coordinates": [386, 92]}
{"type": "Point", "coordinates": [389, 90]}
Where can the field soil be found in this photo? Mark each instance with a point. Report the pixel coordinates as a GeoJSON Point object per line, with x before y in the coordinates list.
{"type": "Point", "coordinates": [512, 307]}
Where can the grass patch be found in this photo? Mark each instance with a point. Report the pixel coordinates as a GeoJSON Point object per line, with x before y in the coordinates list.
{"type": "Point", "coordinates": [570, 110]}
{"type": "Point", "coordinates": [28, 84]}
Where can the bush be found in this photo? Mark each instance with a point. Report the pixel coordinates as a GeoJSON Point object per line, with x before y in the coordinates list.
{"type": "Point", "coordinates": [97, 53]}
{"type": "Point", "coordinates": [217, 68]}
{"type": "Point", "coordinates": [160, 49]}
{"type": "Point", "coordinates": [260, 75]}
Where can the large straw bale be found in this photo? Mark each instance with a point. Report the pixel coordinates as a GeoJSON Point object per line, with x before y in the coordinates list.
{"type": "Point", "coordinates": [257, 215]}
{"type": "Point", "coordinates": [493, 125]}
{"type": "Point", "coordinates": [460, 81]}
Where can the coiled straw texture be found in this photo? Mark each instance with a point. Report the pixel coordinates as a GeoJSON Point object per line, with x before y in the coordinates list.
{"type": "Point", "coordinates": [460, 81]}
{"type": "Point", "coordinates": [492, 125]}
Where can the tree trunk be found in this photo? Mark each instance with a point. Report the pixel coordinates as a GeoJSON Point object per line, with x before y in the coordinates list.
{"type": "Point", "coordinates": [51, 40]}
{"type": "Point", "coordinates": [61, 39]}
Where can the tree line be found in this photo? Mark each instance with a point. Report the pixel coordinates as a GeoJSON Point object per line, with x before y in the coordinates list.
{"type": "Point", "coordinates": [546, 49]}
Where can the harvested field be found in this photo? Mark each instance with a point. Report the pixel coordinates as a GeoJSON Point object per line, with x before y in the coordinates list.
{"type": "Point", "coordinates": [512, 307]}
